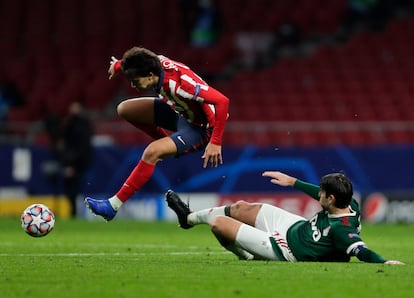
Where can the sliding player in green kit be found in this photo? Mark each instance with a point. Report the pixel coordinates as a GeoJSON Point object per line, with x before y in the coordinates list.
{"type": "Point", "coordinates": [255, 231]}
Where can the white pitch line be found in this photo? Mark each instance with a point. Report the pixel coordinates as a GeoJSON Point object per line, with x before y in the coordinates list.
{"type": "Point", "coordinates": [104, 254]}
{"type": "Point", "coordinates": [118, 245]}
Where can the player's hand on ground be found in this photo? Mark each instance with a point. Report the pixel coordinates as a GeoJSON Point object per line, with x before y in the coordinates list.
{"type": "Point", "coordinates": [279, 178]}
{"type": "Point", "coordinates": [212, 156]}
{"type": "Point", "coordinates": [394, 262]}
{"type": "Point", "coordinates": [111, 69]}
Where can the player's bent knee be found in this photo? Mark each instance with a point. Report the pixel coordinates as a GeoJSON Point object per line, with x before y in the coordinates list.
{"type": "Point", "coordinates": [217, 223]}
{"type": "Point", "coordinates": [122, 110]}
{"type": "Point", "coordinates": [225, 228]}
{"type": "Point", "coordinates": [131, 109]}
{"type": "Point", "coordinates": [239, 204]}
{"type": "Point", "coordinates": [159, 149]}
{"type": "Point", "coordinates": [239, 207]}
{"type": "Point", "coordinates": [245, 212]}
{"type": "Point", "coordinates": [151, 153]}
{"type": "Point", "coordinates": [236, 207]}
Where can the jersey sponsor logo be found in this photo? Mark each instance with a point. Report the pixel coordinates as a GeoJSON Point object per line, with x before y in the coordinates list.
{"type": "Point", "coordinates": [316, 234]}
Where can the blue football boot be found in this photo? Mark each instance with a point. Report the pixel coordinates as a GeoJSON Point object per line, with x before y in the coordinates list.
{"type": "Point", "coordinates": [100, 207]}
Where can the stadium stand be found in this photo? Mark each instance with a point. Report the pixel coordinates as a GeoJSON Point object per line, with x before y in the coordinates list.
{"type": "Point", "coordinates": [357, 92]}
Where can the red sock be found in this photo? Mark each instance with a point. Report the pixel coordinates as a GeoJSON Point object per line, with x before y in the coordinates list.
{"type": "Point", "coordinates": [138, 177]}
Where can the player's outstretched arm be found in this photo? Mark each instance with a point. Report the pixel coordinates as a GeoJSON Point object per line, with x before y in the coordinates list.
{"type": "Point", "coordinates": [367, 255]}
{"type": "Point", "coordinates": [280, 178]}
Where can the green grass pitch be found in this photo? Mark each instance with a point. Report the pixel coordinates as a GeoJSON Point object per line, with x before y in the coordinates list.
{"type": "Point", "coordinates": [126, 258]}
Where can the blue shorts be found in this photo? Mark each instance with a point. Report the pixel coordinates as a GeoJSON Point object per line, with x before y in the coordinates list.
{"type": "Point", "coordinates": [187, 137]}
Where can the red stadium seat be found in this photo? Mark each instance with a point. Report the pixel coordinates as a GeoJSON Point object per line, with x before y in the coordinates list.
{"type": "Point", "coordinates": [63, 50]}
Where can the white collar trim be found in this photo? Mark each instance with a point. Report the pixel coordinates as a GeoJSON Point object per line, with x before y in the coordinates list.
{"type": "Point", "coordinates": [352, 213]}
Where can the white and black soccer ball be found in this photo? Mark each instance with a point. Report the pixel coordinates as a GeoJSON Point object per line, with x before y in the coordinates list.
{"type": "Point", "coordinates": [38, 220]}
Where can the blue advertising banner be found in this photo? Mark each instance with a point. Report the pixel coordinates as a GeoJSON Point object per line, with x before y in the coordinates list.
{"type": "Point", "coordinates": [386, 169]}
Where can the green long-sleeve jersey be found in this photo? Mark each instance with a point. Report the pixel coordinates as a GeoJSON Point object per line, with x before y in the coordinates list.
{"type": "Point", "coordinates": [329, 237]}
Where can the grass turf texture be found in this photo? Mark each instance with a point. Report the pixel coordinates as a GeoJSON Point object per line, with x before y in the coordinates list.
{"type": "Point", "coordinates": [157, 259]}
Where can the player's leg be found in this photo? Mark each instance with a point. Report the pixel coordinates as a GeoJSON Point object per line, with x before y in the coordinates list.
{"type": "Point", "coordinates": [245, 212]}
{"type": "Point", "coordinates": [241, 239]}
{"type": "Point", "coordinates": [224, 233]}
{"type": "Point", "coordinates": [265, 217]}
{"type": "Point", "coordinates": [188, 218]}
{"type": "Point", "coordinates": [161, 115]}
{"type": "Point", "coordinates": [275, 220]}
{"type": "Point", "coordinates": [261, 230]}
{"type": "Point", "coordinates": [142, 173]}
{"type": "Point", "coordinates": [140, 111]}
{"type": "Point", "coordinates": [244, 240]}
{"type": "Point", "coordinates": [186, 139]}
{"type": "Point", "coordinates": [241, 211]}
{"type": "Point", "coordinates": [246, 229]}
{"type": "Point", "coordinates": [271, 221]}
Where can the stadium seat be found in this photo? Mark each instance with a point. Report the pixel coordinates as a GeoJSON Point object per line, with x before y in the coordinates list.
{"type": "Point", "coordinates": [64, 47]}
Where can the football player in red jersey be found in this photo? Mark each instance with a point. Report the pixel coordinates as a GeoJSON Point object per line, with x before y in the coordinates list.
{"type": "Point", "coordinates": [184, 103]}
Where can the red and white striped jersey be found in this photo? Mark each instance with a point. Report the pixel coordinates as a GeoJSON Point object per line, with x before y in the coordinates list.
{"type": "Point", "coordinates": [192, 97]}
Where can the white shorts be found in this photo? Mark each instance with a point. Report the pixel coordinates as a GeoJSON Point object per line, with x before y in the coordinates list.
{"type": "Point", "coordinates": [268, 238]}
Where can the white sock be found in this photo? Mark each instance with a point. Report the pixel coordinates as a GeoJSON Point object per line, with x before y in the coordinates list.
{"type": "Point", "coordinates": [115, 203]}
{"type": "Point", "coordinates": [205, 216]}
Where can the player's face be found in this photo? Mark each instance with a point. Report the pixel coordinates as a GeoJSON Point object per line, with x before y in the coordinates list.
{"type": "Point", "coordinates": [144, 83]}
{"type": "Point", "coordinates": [323, 200]}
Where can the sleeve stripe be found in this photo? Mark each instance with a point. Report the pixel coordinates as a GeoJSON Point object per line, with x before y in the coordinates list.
{"type": "Point", "coordinates": [196, 91]}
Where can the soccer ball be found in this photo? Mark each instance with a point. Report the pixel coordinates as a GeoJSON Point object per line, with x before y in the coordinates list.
{"type": "Point", "coordinates": [38, 220]}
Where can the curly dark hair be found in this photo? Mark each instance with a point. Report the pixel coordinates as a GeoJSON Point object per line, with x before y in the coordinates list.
{"type": "Point", "coordinates": [338, 185]}
{"type": "Point", "coordinates": [140, 62]}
